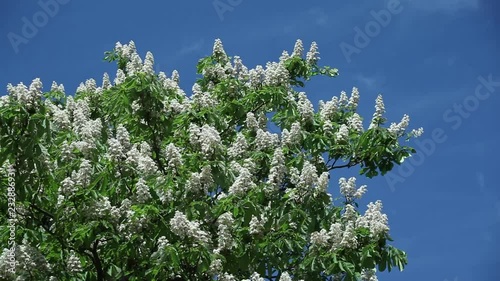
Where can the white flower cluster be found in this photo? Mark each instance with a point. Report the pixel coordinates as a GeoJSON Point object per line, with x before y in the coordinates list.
{"type": "Point", "coordinates": [242, 183]}
{"type": "Point", "coordinates": [57, 88]}
{"type": "Point", "coordinates": [417, 132]}
{"type": "Point", "coordinates": [238, 147]}
{"type": "Point", "coordinates": [298, 49]}
{"type": "Point", "coordinates": [305, 108]}
{"type": "Point", "coordinates": [278, 169]}
{"type": "Point", "coordinates": [184, 228]}
{"type": "Point", "coordinates": [379, 111]}
{"type": "Point", "coordinates": [323, 181]}
{"type": "Point", "coordinates": [88, 130]}
{"type": "Point", "coordinates": [133, 223]}
{"type": "Point", "coordinates": [257, 224]}
{"type": "Point", "coordinates": [207, 137]}
{"type": "Point", "coordinates": [173, 156]}
{"type": "Point", "coordinates": [81, 178]}
{"type": "Point", "coordinates": [200, 182]}
{"type": "Point", "coordinates": [342, 134]}
{"type": "Point", "coordinates": [399, 128]}
{"type": "Point", "coordinates": [256, 77]}
{"type": "Point", "coordinates": [328, 109]}
{"type": "Point", "coordinates": [73, 264]}
{"type": "Point", "coordinates": [337, 237]}
{"type": "Point", "coordinates": [284, 56]}
{"type": "Point", "coordinates": [285, 277]}
{"type": "Point", "coordinates": [139, 156]}
{"type": "Point", "coordinates": [240, 71]}
{"type": "Point", "coordinates": [348, 189]}
{"type": "Point", "coordinates": [148, 64]}
{"type": "Point", "coordinates": [251, 122]}
{"type": "Point", "coordinates": [308, 176]}
{"type": "Point", "coordinates": [255, 277]}
{"type": "Point", "coordinates": [369, 275]}
{"type": "Point", "coordinates": [312, 56]}
{"type": "Point", "coordinates": [28, 259]}
{"type": "Point", "coordinates": [374, 219]}
{"type": "Point", "coordinates": [265, 140]}
{"type": "Point", "coordinates": [276, 75]}
{"type": "Point", "coordinates": [60, 116]}
{"type": "Point", "coordinates": [119, 146]}
{"type": "Point", "coordinates": [225, 224]}
{"type": "Point", "coordinates": [292, 137]}
{"type": "Point", "coordinates": [218, 50]}
{"type": "Point", "coordinates": [30, 97]}
{"type": "Point", "coordinates": [203, 99]}
{"type": "Point", "coordinates": [355, 123]}
{"type": "Point", "coordinates": [142, 194]}
{"type": "Point", "coordinates": [103, 207]}
{"type": "Point", "coordinates": [90, 86]}
{"type": "Point", "coordinates": [354, 99]}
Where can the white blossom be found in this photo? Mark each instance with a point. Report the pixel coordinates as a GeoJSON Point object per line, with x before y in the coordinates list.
{"type": "Point", "coordinates": [257, 224]}
{"type": "Point", "coordinates": [238, 147]}
{"type": "Point", "coordinates": [369, 275]}
{"type": "Point", "coordinates": [148, 66]}
{"type": "Point", "coordinates": [256, 77]}
{"type": "Point", "coordinates": [242, 183]}
{"type": "Point", "coordinates": [285, 277]}
{"type": "Point", "coordinates": [173, 156]}
{"type": "Point", "coordinates": [354, 99]}
{"type": "Point", "coordinates": [374, 219]}
{"type": "Point", "coordinates": [328, 109]}
{"type": "Point", "coordinates": [417, 132]}
{"type": "Point", "coordinates": [106, 83]}
{"type": "Point", "coordinates": [398, 129]}
{"type": "Point", "coordinates": [134, 65]}
{"type": "Point", "coordinates": [308, 176]}
{"type": "Point", "coordinates": [379, 111]}
{"type": "Point", "coordinates": [284, 56]}
{"type": "Point", "coordinates": [278, 169]}
{"type": "Point", "coordinates": [348, 189]}
{"type": "Point", "coordinates": [265, 140]}
{"type": "Point", "coordinates": [251, 121]}
{"type": "Point", "coordinates": [305, 108]}
{"type": "Point", "coordinates": [355, 123]}
{"type": "Point", "coordinates": [312, 56]}
{"type": "Point", "coordinates": [142, 193]}
{"type": "Point", "coordinates": [200, 182]}
{"type": "Point", "coordinates": [298, 49]}
{"type": "Point", "coordinates": [342, 134]}
{"type": "Point", "coordinates": [120, 77]}
{"type": "Point", "coordinates": [323, 181]}
{"type": "Point", "coordinates": [294, 136]}
{"type": "Point", "coordinates": [239, 69]}
{"type": "Point", "coordinates": [225, 223]}
{"type": "Point", "coordinates": [184, 228]}
{"type": "Point", "coordinates": [276, 74]}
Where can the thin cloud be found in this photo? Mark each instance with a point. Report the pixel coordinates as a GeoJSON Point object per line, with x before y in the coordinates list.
{"type": "Point", "coordinates": [192, 48]}
{"type": "Point", "coordinates": [371, 82]}
{"type": "Point", "coordinates": [319, 16]}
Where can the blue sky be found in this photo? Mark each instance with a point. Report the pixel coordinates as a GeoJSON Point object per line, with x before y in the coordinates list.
{"type": "Point", "coordinates": [427, 60]}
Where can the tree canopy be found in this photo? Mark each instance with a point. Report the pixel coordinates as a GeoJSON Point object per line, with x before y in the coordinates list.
{"type": "Point", "coordinates": [134, 180]}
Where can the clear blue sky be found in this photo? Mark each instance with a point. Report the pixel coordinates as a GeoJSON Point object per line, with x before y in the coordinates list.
{"type": "Point", "coordinates": [444, 208]}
